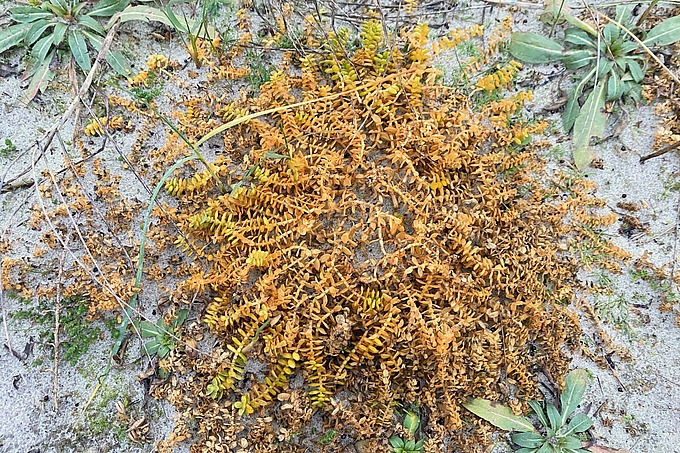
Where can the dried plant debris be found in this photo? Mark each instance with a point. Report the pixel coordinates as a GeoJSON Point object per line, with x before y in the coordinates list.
{"type": "Point", "coordinates": [391, 242]}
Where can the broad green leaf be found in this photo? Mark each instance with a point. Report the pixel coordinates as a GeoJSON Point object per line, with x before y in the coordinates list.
{"type": "Point", "coordinates": [498, 415]}
{"type": "Point", "coordinates": [576, 380]}
{"type": "Point", "coordinates": [57, 10]}
{"type": "Point", "coordinates": [610, 33]}
{"type": "Point", "coordinates": [92, 24]}
{"type": "Point", "coordinates": [572, 108]}
{"type": "Point", "coordinates": [579, 58]}
{"type": "Point", "coordinates": [526, 450]}
{"type": "Point", "coordinates": [114, 58]}
{"type": "Point", "coordinates": [623, 12]}
{"type": "Point", "coordinates": [12, 36]}
{"type": "Point", "coordinates": [528, 440]}
{"type": "Point", "coordinates": [59, 32]}
{"type": "Point", "coordinates": [571, 442]}
{"type": "Point", "coordinates": [78, 47]}
{"type": "Point", "coordinates": [151, 347]}
{"type": "Point", "coordinates": [603, 67]}
{"type": "Point", "coordinates": [37, 30]}
{"type": "Point", "coordinates": [615, 87]}
{"type": "Point", "coordinates": [628, 46]}
{"type": "Point", "coordinates": [62, 4]}
{"type": "Point", "coordinates": [667, 32]}
{"type": "Point", "coordinates": [29, 14]}
{"type": "Point", "coordinates": [396, 442]}
{"type": "Point", "coordinates": [106, 8]}
{"type": "Point", "coordinates": [410, 445]}
{"type": "Point", "coordinates": [180, 317]}
{"type": "Point", "coordinates": [546, 448]}
{"type": "Point", "coordinates": [590, 122]}
{"type": "Point", "coordinates": [579, 38]}
{"type": "Point", "coordinates": [419, 444]}
{"type": "Point", "coordinates": [580, 24]}
{"type": "Point", "coordinates": [411, 422]}
{"type": "Point", "coordinates": [149, 330]}
{"type": "Point", "coordinates": [176, 24]}
{"type": "Point", "coordinates": [41, 76]}
{"type": "Point", "coordinates": [553, 416]}
{"type": "Point", "coordinates": [538, 410]}
{"type": "Point", "coordinates": [163, 351]}
{"type": "Point", "coordinates": [534, 48]}
{"type": "Point", "coordinates": [148, 13]}
{"type": "Point", "coordinates": [636, 70]}
{"type": "Point", "coordinates": [40, 49]}
{"type": "Point", "coordinates": [578, 424]}
{"type": "Point", "coordinates": [76, 9]}
{"type": "Point", "coordinates": [634, 91]}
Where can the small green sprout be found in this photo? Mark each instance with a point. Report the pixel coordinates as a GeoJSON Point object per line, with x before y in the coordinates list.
{"type": "Point", "coordinates": [163, 336]}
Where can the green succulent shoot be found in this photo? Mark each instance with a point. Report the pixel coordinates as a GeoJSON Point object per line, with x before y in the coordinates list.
{"type": "Point", "coordinates": [163, 336]}
{"type": "Point", "coordinates": [411, 425]}
{"type": "Point", "coordinates": [60, 26]}
{"type": "Point", "coordinates": [610, 62]}
{"type": "Point", "coordinates": [560, 429]}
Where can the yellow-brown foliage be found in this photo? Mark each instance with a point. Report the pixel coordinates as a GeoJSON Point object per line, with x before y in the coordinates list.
{"type": "Point", "coordinates": [400, 247]}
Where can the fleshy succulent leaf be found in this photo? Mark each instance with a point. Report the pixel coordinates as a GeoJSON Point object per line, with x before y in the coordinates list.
{"type": "Point", "coordinates": [498, 415]}
{"type": "Point", "coordinates": [534, 48]}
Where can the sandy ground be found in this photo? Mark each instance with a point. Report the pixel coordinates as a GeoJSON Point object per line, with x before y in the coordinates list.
{"type": "Point", "coordinates": [636, 401]}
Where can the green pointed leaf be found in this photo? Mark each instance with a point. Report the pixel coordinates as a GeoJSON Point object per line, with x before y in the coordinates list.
{"type": "Point", "coordinates": [546, 448]}
{"type": "Point", "coordinates": [114, 58]}
{"type": "Point", "coordinates": [36, 31]}
{"type": "Point", "coordinates": [396, 442]}
{"type": "Point", "coordinates": [667, 32]}
{"type": "Point", "coordinates": [603, 67]}
{"type": "Point", "coordinates": [62, 4]}
{"type": "Point", "coordinates": [623, 12]}
{"type": "Point", "coordinates": [76, 9]}
{"type": "Point", "coordinates": [78, 47]}
{"type": "Point", "coordinates": [579, 38]}
{"type": "Point", "coordinates": [419, 444]}
{"type": "Point", "coordinates": [29, 14]}
{"type": "Point", "coordinates": [163, 351]}
{"type": "Point", "coordinates": [148, 13]}
{"type": "Point", "coordinates": [106, 8]}
{"type": "Point", "coordinates": [149, 329]}
{"type": "Point", "coordinates": [578, 424]}
{"type": "Point", "coordinates": [571, 442]}
{"type": "Point", "coordinates": [610, 33]}
{"type": "Point", "coordinates": [176, 24]}
{"type": "Point", "coordinates": [580, 24]}
{"type": "Point", "coordinates": [92, 24]}
{"type": "Point", "coordinates": [576, 380]}
{"type": "Point", "coordinates": [180, 317]}
{"type": "Point", "coordinates": [636, 70]}
{"type": "Point", "coordinates": [411, 422]}
{"type": "Point", "coordinates": [590, 122]}
{"type": "Point", "coordinates": [528, 440]}
{"type": "Point", "coordinates": [526, 450]}
{"type": "Point", "coordinates": [628, 46]}
{"type": "Point", "coordinates": [533, 48]}
{"type": "Point", "coordinates": [410, 445]}
{"type": "Point", "coordinates": [59, 32]}
{"type": "Point", "coordinates": [553, 416]}
{"type": "Point", "coordinates": [12, 36]}
{"type": "Point", "coordinates": [572, 108]}
{"type": "Point", "coordinates": [498, 415]}
{"type": "Point", "coordinates": [615, 87]}
{"type": "Point", "coordinates": [40, 49]}
{"type": "Point", "coordinates": [41, 76]}
{"type": "Point", "coordinates": [538, 410]}
{"type": "Point", "coordinates": [56, 9]}
{"type": "Point", "coordinates": [151, 347]}
{"type": "Point", "coordinates": [579, 58]}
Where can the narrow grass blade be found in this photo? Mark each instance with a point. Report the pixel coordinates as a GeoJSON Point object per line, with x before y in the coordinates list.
{"type": "Point", "coordinates": [498, 415]}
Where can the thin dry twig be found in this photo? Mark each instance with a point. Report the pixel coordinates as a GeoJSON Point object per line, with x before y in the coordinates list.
{"type": "Point", "coordinates": [57, 312]}
{"type": "Point", "coordinates": [660, 152]}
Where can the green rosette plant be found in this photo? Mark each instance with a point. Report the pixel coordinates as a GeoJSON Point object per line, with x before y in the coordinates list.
{"type": "Point", "coordinates": [609, 62]}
